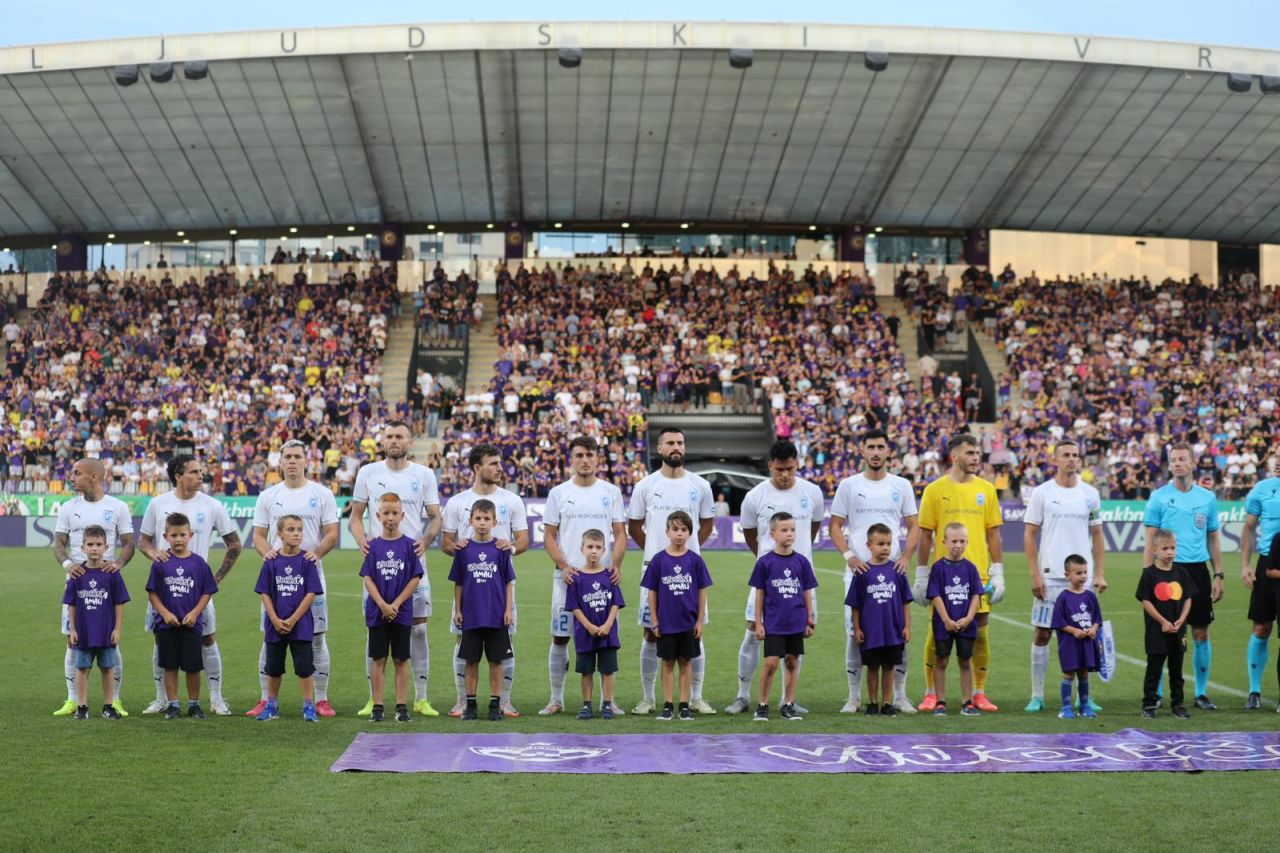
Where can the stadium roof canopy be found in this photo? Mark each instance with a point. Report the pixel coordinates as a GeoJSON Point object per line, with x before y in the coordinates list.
{"type": "Point", "coordinates": [465, 124]}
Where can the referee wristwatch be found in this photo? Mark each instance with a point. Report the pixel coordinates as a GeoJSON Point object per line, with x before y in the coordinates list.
{"type": "Point", "coordinates": [1218, 576]}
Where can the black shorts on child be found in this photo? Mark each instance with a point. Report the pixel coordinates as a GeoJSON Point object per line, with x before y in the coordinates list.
{"type": "Point", "coordinates": [681, 646]}
{"type": "Point", "coordinates": [882, 656]}
{"type": "Point", "coordinates": [604, 660]}
{"type": "Point", "coordinates": [303, 658]}
{"type": "Point", "coordinates": [390, 637]}
{"type": "Point", "coordinates": [493, 644]}
{"type": "Point", "coordinates": [180, 648]}
{"type": "Point", "coordinates": [942, 646]}
{"type": "Point", "coordinates": [782, 645]}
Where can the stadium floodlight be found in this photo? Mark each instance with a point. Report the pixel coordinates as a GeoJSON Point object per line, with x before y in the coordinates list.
{"type": "Point", "coordinates": [146, 242]}
{"type": "Point", "coordinates": [879, 228]}
{"type": "Point", "coordinates": [490, 225]}
{"type": "Point", "coordinates": [876, 60]}
{"type": "Point", "coordinates": [111, 236]}
{"type": "Point", "coordinates": [626, 225]}
{"type": "Point", "coordinates": [684, 225]}
{"type": "Point", "coordinates": [559, 225]}
{"type": "Point", "coordinates": [182, 233]}
{"type": "Point", "coordinates": [293, 229]}
{"type": "Point", "coordinates": [813, 227]}
{"type": "Point", "coordinates": [431, 228]}
{"type": "Point", "coordinates": [160, 72]}
{"type": "Point", "coordinates": [1240, 83]}
{"type": "Point", "coordinates": [740, 58]}
{"type": "Point", "coordinates": [1269, 85]}
{"type": "Point", "coordinates": [126, 75]}
{"type": "Point", "coordinates": [569, 57]}
{"type": "Point", "coordinates": [233, 232]}
{"type": "Point", "coordinates": [195, 69]}
{"type": "Point", "coordinates": [351, 228]}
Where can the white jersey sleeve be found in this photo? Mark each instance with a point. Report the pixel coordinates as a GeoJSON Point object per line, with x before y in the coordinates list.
{"type": "Point", "coordinates": [360, 491]}
{"type": "Point", "coordinates": [149, 519]}
{"type": "Point", "coordinates": [328, 506]}
{"type": "Point", "coordinates": [63, 524]}
{"type": "Point", "coordinates": [615, 508]}
{"type": "Point", "coordinates": [123, 521]}
{"type": "Point", "coordinates": [551, 511]}
{"type": "Point", "coordinates": [520, 516]}
{"type": "Point", "coordinates": [747, 516]}
{"type": "Point", "coordinates": [841, 505]}
{"type": "Point", "coordinates": [909, 507]}
{"type": "Point", "coordinates": [1034, 513]}
{"type": "Point", "coordinates": [430, 488]}
{"type": "Point", "coordinates": [451, 516]}
{"type": "Point", "coordinates": [262, 512]}
{"type": "Point", "coordinates": [638, 508]}
{"type": "Point", "coordinates": [707, 503]}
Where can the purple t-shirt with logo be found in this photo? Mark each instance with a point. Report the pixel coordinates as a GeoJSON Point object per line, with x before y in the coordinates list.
{"type": "Point", "coordinates": [677, 581]}
{"type": "Point", "coordinates": [288, 579]}
{"type": "Point", "coordinates": [95, 595]}
{"type": "Point", "coordinates": [879, 594]}
{"type": "Point", "coordinates": [483, 570]}
{"type": "Point", "coordinates": [594, 594]}
{"type": "Point", "coordinates": [391, 563]}
{"type": "Point", "coordinates": [784, 580]}
{"type": "Point", "coordinates": [179, 582]}
{"type": "Point", "coordinates": [955, 583]}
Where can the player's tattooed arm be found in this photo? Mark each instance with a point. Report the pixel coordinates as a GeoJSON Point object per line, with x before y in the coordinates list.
{"type": "Point", "coordinates": [234, 548]}
{"type": "Point", "coordinates": [61, 548]}
{"type": "Point", "coordinates": [127, 547]}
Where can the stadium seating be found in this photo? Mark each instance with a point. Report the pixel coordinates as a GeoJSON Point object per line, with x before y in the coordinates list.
{"type": "Point", "coordinates": [134, 369]}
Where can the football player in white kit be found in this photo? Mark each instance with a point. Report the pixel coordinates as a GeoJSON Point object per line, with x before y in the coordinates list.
{"type": "Point", "coordinates": [416, 487]}
{"type": "Point", "coordinates": [208, 516]}
{"type": "Point", "coordinates": [782, 492]}
{"type": "Point", "coordinates": [1061, 515]}
{"type": "Point", "coordinates": [873, 496]}
{"type": "Point", "coordinates": [666, 490]}
{"type": "Point", "coordinates": [581, 503]}
{"type": "Point", "coordinates": [511, 533]}
{"type": "Point", "coordinates": [315, 505]}
{"type": "Point", "coordinates": [90, 507]}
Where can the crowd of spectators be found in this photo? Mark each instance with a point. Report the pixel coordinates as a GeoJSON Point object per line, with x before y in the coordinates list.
{"type": "Point", "coordinates": [133, 369]}
{"type": "Point", "coordinates": [1131, 367]}
{"type": "Point", "coordinates": [593, 348]}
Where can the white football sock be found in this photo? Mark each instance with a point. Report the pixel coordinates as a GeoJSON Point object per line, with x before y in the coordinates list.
{"type": "Point", "coordinates": [1039, 666]}
{"type": "Point", "coordinates": [320, 652]}
{"type": "Point", "coordinates": [158, 674]}
{"type": "Point", "coordinates": [900, 676]}
{"type": "Point", "coordinates": [213, 671]}
{"type": "Point", "coordinates": [853, 669]}
{"type": "Point", "coordinates": [648, 669]}
{"type": "Point", "coordinates": [748, 660]}
{"type": "Point", "coordinates": [119, 672]}
{"type": "Point", "coordinates": [262, 673]}
{"type": "Point", "coordinates": [460, 675]}
{"type": "Point", "coordinates": [699, 674]}
{"type": "Point", "coordinates": [420, 660]}
{"type": "Point", "coordinates": [69, 672]}
{"type": "Point", "coordinates": [508, 678]}
{"type": "Point", "coordinates": [558, 667]}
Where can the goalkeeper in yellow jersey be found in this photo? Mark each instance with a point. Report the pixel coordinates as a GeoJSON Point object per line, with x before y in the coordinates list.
{"type": "Point", "coordinates": [960, 496]}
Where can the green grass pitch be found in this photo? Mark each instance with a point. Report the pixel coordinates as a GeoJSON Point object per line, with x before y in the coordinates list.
{"type": "Point", "coordinates": [233, 783]}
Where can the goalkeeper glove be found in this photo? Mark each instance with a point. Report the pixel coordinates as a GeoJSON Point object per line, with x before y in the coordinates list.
{"type": "Point", "coordinates": [921, 586]}
{"type": "Point", "coordinates": [995, 585]}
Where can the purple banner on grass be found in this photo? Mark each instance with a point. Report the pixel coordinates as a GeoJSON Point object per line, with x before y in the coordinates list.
{"type": "Point", "coordinates": [1125, 750]}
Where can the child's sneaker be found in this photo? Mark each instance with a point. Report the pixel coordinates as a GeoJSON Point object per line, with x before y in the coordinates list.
{"type": "Point", "coordinates": [968, 709]}
{"type": "Point", "coordinates": [1086, 711]}
{"type": "Point", "coordinates": [1180, 711]}
{"type": "Point", "coordinates": [790, 713]}
{"type": "Point", "coordinates": [469, 713]}
{"type": "Point", "coordinates": [271, 711]}
{"type": "Point", "coordinates": [873, 709]}
{"type": "Point", "coordinates": [495, 712]}
{"type": "Point", "coordinates": [606, 711]}
{"type": "Point", "coordinates": [376, 715]}
{"type": "Point", "coordinates": [762, 714]}
{"type": "Point", "coordinates": [402, 713]}
{"type": "Point", "coordinates": [173, 712]}
{"type": "Point", "coordinates": [109, 712]}
{"type": "Point", "coordinates": [1149, 713]}
{"type": "Point", "coordinates": [196, 712]}
{"type": "Point", "coordinates": [81, 713]}
{"type": "Point", "coordinates": [686, 713]}
{"type": "Point", "coordinates": [668, 713]}
{"type": "Point", "coordinates": [888, 711]}
{"type": "Point", "coordinates": [1066, 713]}
{"type": "Point", "coordinates": [309, 714]}
{"type": "Point", "coordinates": [940, 709]}
{"type": "Point", "coordinates": [584, 713]}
